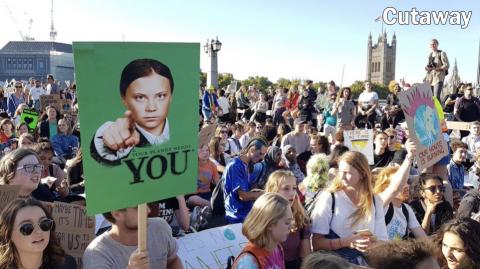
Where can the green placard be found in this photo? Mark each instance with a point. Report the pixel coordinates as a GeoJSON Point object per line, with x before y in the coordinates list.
{"type": "Point", "coordinates": [139, 136]}
{"type": "Point", "coordinates": [29, 117]}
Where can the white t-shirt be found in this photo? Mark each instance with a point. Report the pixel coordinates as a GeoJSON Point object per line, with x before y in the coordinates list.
{"type": "Point", "coordinates": [35, 93]}
{"type": "Point", "coordinates": [368, 98]}
{"type": "Point", "coordinates": [224, 105]}
{"type": "Point", "coordinates": [341, 223]}
{"type": "Point", "coordinates": [398, 225]}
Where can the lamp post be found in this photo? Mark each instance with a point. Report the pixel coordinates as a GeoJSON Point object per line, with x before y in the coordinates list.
{"type": "Point", "coordinates": [212, 47]}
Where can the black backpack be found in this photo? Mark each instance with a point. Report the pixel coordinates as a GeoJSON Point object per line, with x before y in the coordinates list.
{"type": "Point", "coordinates": [389, 216]}
{"type": "Point", "coordinates": [217, 201]}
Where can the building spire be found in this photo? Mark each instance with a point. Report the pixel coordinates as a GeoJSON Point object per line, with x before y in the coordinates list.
{"type": "Point", "coordinates": [53, 33]}
{"type": "Point", "coordinates": [478, 67]}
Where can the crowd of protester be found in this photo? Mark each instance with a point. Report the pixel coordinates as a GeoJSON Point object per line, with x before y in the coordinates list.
{"type": "Point", "coordinates": [277, 163]}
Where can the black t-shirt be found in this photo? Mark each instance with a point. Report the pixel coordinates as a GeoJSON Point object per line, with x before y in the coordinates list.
{"type": "Point", "coordinates": [469, 111]}
{"type": "Point", "coordinates": [382, 160]}
{"type": "Point", "coordinates": [453, 97]}
{"type": "Point", "coordinates": [166, 209]}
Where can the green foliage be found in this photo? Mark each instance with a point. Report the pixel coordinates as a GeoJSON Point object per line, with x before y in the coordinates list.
{"type": "Point", "coordinates": [260, 82]}
{"type": "Point", "coordinates": [203, 79]}
{"type": "Point", "coordinates": [357, 88]}
{"type": "Point", "coordinates": [224, 79]}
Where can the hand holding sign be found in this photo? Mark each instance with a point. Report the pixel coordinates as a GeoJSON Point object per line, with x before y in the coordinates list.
{"type": "Point", "coordinates": [411, 148]}
{"type": "Point", "coordinates": [139, 260]}
{"type": "Point", "coordinates": [122, 133]}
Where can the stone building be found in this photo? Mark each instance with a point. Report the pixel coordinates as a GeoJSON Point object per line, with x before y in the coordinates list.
{"type": "Point", "coordinates": [381, 59]}
{"type": "Point", "coordinates": [24, 59]}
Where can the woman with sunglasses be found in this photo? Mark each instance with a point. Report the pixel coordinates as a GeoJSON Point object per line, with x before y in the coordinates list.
{"type": "Point", "coordinates": [15, 99]}
{"type": "Point", "coordinates": [27, 238]}
{"type": "Point", "coordinates": [431, 209]}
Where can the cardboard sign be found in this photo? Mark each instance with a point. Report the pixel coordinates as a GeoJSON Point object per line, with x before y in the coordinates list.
{"type": "Point", "coordinates": [73, 228]}
{"type": "Point", "coordinates": [30, 118]}
{"type": "Point", "coordinates": [211, 248]}
{"type": "Point", "coordinates": [164, 163]}
{"type": "Point", "coordinates": [360, 140]}
{"type": "Point", "coordinates": [8, 193]}
{"type": "Point", "coordinates": [423, 124]}
{"type": "Point", "coordinates": [62, 105]}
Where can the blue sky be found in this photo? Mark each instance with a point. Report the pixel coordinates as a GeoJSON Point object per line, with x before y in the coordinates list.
{"type": "Point", "coordinates": [291, 39]}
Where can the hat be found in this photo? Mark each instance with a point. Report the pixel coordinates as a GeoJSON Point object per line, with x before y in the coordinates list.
{"type": "Point", "coordinates": [299, 121]}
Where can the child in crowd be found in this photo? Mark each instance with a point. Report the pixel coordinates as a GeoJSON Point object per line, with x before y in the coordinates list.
{"type": "Point", "coordinates": [456, 170]}
{"type": "Point", "coordinates": [297, 245]}
{"type": "Point", "coordinates": [266, 226]}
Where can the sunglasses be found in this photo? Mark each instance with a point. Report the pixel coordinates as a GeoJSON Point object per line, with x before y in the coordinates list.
{"type": "Point", "coordinates": [45, 225]}
{"type": "Point", "coordinates": [224, 132]}
{"type": "Point", "coordinates": [434, 189]}
{"type": "Point", "coordinates": [392, 137]}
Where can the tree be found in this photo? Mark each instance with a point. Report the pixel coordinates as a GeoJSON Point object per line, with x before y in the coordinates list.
{"type": "Point", "coordinates": [260, 82]}
{"type": "Point", "coordinates": [283, 83]}
{"type": "Point", "coordinates": [357, 88]}
{"type": "Point", "coordinates": [224, 79]}
{"type": "Point", "coordinates": [203, 79]}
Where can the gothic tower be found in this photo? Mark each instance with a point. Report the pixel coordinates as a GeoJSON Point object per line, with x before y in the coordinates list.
{"type": "Point", "coordinates": [381, 59]}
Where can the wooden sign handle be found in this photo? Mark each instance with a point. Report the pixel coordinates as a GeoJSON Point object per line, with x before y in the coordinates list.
{"type": "Point", "coordinates": [142, 227]}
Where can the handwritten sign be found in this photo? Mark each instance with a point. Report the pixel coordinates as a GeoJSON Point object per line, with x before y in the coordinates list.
{"type": "Point", "coordinates": [424, 124]}
{"type": "Point", "coordinates": [62, 105]}
{"type": "Point", "coordinates": [211, 248]}
{"type": "Point", "coordinates": [30, 118]}
{"type": "Point", "coordinates": [8, 193]}
{"type": "Point", "coordinates": [360, 140]}
{"type": "Point", "coordinates": [74, 229]}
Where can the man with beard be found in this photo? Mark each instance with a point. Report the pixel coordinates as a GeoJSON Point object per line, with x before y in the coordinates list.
{"type": "Point", "coordinates": [237, 192]}
{"type": "Point", "coordinates": [117, 248]}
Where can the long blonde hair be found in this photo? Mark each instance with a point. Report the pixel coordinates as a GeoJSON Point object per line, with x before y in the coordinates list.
{"type": "Point", "coordinates": [267, 209]}
{"type": "Point", "coordinates": [358, 161]}
{"type": "Point", "coordinates": [274, 183]}
{"type": "Point", "coordinates": [383, 179]}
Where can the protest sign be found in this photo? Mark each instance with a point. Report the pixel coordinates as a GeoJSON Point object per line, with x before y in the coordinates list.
{"type": "Point", "coordinates": [116, 81]}
{"type": "Point", "coordinates": [73, 229]}
{"type": "Point", "coordinates": [211, 248]}
{"type": "Point", "coordinates": [423, 124]}
{"type": "Point", "coordinates": [30, 118]}
{"type": "Point", "coordinates": [49, 100]}
{"type": "Point", "coordinates": [360, 140]}
{"type": "Point", "coordinates": [8, 193]}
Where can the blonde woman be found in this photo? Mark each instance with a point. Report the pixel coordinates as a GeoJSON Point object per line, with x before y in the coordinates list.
{"type": "Point", "coordinates": [297, 245]}
{"type": "Point", "coordinates": [266, 226]}
{"type": "Point", "coordinates": [348, 219]}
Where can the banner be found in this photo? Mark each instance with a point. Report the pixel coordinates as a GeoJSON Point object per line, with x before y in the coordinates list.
{"type": "Point", "coordinates": [360, 140]}
{"type": "Point", "coordinates": [139, 112]}
{"type": "Point", "coordinates": [30, 118]}
{"type": "Point", "coordinates": [211, 248]}
{"type": "Point", "coordinates": [73, 229]}
{"type": "Point", "coordinates": [8, 193]}
{"type": "Point", "coordinates": [423, 124]}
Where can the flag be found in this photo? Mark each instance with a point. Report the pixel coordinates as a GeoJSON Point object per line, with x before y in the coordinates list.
{"type": "Point", "coordinates": [378, 18]}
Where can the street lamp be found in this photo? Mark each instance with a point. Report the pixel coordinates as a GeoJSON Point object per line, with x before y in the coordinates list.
{"type": "Point", "coordinates": [212, 47]}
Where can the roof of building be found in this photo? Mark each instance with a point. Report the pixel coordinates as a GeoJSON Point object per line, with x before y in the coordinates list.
{"type": "Point", "coordinates": [36, 46]}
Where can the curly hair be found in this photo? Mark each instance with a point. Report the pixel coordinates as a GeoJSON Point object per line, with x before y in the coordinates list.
{"type": "Point", "coordinates": [317, 172]}
{"type": "Point", "coordinates": [469, 232]}
{"type": "Point", "coordinates": [53, 255]}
